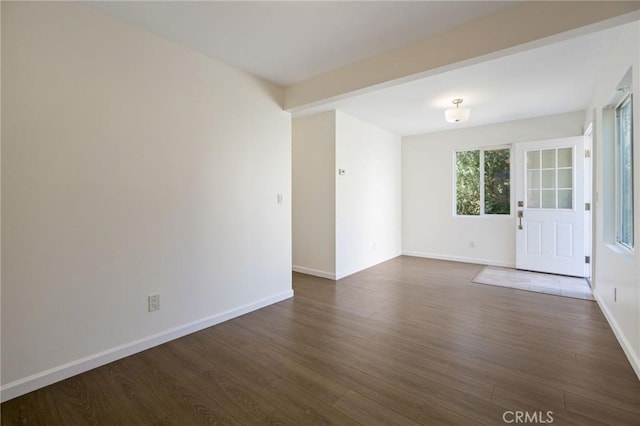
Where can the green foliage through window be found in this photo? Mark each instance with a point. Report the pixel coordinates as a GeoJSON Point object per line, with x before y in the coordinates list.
{"type": "Point", "coordinates": [487, 170]}
{"type": "Point", "coordinates": [468, 183]}
{"type": "Point", "coordinates": [497, 194]}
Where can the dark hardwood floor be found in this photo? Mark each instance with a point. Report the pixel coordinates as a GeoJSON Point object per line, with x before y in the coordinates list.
{"type": "Point", "coordinates": [410, 341]}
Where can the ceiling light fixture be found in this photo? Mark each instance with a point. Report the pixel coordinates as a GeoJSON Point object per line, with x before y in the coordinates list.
{"type": "Point", "coordinates": [457, 114]}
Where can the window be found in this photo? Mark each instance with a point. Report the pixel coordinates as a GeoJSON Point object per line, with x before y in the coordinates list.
{"type": "Point", "coordinates": [624, 172]}
{"type": "Point", "coordinates": [483, 182]}
{"type": "Point", "coordinates": [550, 178]}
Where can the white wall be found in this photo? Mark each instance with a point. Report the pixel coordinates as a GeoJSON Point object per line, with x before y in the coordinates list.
{"type": "Point", "coordinates": [429, 227]}
{"type": "Point", "coordinates": [313, 198]}
{"type": "Point", "coordinates": [130, 166]}
{"type": "Point", "coordinates": [617, 269]}
{"type": "Point", "coordinates": [343, 224]}
{"type": "Point", "coordinates": [368, 195]}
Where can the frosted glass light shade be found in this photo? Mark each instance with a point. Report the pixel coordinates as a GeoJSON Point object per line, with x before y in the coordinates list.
{"type": "Point", "coordinates": [457, 115]}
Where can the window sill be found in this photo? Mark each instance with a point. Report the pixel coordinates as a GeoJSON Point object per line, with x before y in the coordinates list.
{"type": "Point", "coordinates": [489, 216]}
{"type": "Point", "coordinates": [621, 251]}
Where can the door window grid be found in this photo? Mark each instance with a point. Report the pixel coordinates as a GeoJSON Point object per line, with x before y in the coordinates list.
{"type": "Point", "coordinates": [549, 178]}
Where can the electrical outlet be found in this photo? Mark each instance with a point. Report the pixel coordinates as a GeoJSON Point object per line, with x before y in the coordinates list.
{"type": "Point", "coordinates": [154, 302]}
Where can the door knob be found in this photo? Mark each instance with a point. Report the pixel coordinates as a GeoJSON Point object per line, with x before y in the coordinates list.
{"type": "Point", "coordinates": [520, 216]}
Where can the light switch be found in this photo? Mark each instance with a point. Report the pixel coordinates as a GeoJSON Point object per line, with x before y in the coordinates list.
{"type": "Point", "coordinates": [279, 198]}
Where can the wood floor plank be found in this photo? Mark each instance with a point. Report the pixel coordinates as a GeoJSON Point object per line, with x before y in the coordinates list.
{"type": "Point", "coordinates": [476, 409]}
{"type": "Point", "coordinates": [619, 369]}
{"type": "Point", "coordinates": [277, 418]}
{"type": "Point", "coordinates": [599, 411]}
{"type": "Point", "coordinates": [303, 407]}
{"type": "Point", "coordinates": [476, 337]}
{"type": "Point", "coordinates": [370, 386]}
{"type": "Point", "coordinates": [395, 346]}
{"type": "Point", "coordinates": [34, 408]}
{"type": "Point", "coordinates": [435, 414]}
{"type": "Point", "coordinates": [524, 402]}
{"type": "Point", "coordinates": [393, 373]}
{"type": "Point", "coordinates": [368, 412]}
{"type": "Point", "coordinates": [129, 397]}
{"type": "Point", "coordinates": [381, 354]}
{"type": "Point", "coordinates": [624, 395]}
{"type": "Point", "coordinates": [80, 403]}
{"type": "Point", "coordinates": [181, 399]}
{"type": "Point", "coordinates": [409, 341]}
{"type": "Point", "coordinates": [249, 374]}
{"type": "Point", "coordinates": [314, 383]}
{"type": "Point", "coordinates": [242, 403]}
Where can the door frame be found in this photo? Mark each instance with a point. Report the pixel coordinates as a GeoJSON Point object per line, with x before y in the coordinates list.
{"type": "Point", "coordinates": [589, 220]}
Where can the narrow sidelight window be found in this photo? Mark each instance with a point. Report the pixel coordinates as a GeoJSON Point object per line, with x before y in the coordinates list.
{"type": "Point", "coordinates": [624, 172]}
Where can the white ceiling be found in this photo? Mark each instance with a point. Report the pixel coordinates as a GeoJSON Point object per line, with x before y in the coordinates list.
{"type": "Point", "coordinates": [548, 80]}
{"type": "Point", "coordinates": [287, 42]}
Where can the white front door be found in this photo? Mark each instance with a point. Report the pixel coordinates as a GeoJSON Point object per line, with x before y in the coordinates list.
{"type": "Point", "coordinates": [550, 206]}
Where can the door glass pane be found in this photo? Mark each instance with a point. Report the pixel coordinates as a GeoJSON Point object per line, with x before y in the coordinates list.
{"type": "Point", "coordinates": [565, 199]}
{"type": "Point", "coordinates": [551, 170]}
{"type": "Point", "coordinates": [549, 159]}
{"type": "Point", "coordinates": [565, 157]}
{"type": "Point", "coordinates": [548, 199]}
{"type": "Point", "coordinates": [533, 160]}
{"type": "Point", "coordinates": [533, 179]}
{"type": "Point", "coordinates": [565, 178]}
{"type": "Point", "coordinates": [549, 179]}
{"type": "Point", "coordinates": [533, 199]}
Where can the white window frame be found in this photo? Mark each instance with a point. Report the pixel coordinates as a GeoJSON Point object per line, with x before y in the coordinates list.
{"type": "Point", "coordinates": [455, 181]}
{"type": "Point", "coordinates": [618, 152]}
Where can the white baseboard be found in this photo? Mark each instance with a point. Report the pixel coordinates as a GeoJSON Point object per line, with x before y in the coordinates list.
{"type": "Point", "coordinates": [475, 260]}
{"type": "Point", "coordinates": [351, 271]}
{"type": "Point", "coordinates": [314, 272]}
{"type": "Point", "coordinates": [340, 274]}
{"type": "Point", "coordinates": [632, 356]}
{"type": "Point", "coordinates": [61, 372]}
